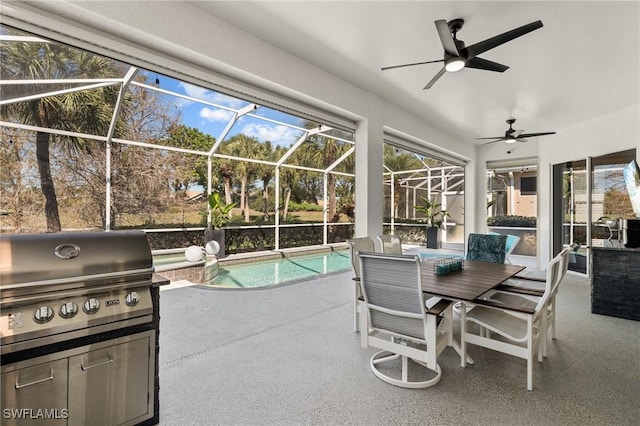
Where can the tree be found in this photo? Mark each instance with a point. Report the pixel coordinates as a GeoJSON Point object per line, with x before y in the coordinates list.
{"type": "Point", "coordinates": [192, 169]}
{"type": "Point", "coordinates": [399, 162]}
{"type": "Point", "coordinates": [320, 152]}
{"type": "Point", "coordinates": [87, 111]}
{"type": "Point", "coordinates": [265, 173]}
{"type": "Point", "coordinates": [244, 146]}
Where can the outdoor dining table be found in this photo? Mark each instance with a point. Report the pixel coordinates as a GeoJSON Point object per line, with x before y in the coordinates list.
{"type": "Point", "coordinates": [469, 283]}
{"type": "Point", "coordinates": [465, 285]}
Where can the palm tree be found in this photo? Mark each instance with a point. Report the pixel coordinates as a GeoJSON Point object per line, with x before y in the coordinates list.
{"type": "Point", "coordinates": [266, 171]}
{"type": "Point", "coordinates": [244, 146]}
{"type": "Point", "coordinates": [320, 153]}
{"type": "Point", "coordinates": [87, 111]}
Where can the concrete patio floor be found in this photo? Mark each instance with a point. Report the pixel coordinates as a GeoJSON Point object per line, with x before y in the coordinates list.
{"type": "Point", "coordinates": [288, 356]}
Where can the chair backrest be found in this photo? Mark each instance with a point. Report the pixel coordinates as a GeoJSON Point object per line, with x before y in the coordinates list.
{"type": "Point", "coordinates": [392, 290]}
{"type": "Point", "coordinates": [364, 244]}
{"type": "Point", "coordinates": [512, 242]}
{"type": "Point", "coordinates": [554, 275]}
{"type": "Point", "coordinates": [390, 244]}
{"type": "Point", "coordinates": [564, 256]}
{"type": "Point", "coordinates": [489, 248]}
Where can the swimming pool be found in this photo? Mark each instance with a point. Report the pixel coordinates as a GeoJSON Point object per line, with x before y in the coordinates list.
{"type": "Point", "coordinates": [278, 271]}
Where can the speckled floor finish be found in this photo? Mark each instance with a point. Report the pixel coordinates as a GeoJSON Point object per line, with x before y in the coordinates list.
{"type": "Point", "coordinates": [288, 356]}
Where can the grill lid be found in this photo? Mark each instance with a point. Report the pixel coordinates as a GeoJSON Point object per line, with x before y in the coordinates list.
{"type": "Point", "coordinates": [72, 256]}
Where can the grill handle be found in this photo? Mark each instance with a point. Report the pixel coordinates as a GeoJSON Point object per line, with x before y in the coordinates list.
{"type": "Point", "coordinates": [87, 367]}
{"type": "Point", "coordinates": [24, 385]}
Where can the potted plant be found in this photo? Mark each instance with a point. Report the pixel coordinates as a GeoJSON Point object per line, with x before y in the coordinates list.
{"type": "Point", "coordinates": [434, 218]}
{"type": "Point", "coordinates": [219, 217]}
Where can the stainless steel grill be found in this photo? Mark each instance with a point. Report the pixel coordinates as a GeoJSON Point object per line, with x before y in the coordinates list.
{"type": "Point", "coordinates": [81, 301]}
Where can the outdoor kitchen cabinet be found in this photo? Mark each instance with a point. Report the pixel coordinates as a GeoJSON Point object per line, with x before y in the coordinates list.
{"type": "Point", "coordinates": [43, 385]}
{"type": "Point", "coordinates": [106, 383]}
{"type": "Point", "coordinates": [110, 386]}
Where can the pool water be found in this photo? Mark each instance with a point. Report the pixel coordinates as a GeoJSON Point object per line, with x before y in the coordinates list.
{"type": "Point", "coordinates": [277, 271]}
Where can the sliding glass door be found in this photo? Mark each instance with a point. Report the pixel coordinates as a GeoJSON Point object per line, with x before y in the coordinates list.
{"type": "Point", "coordinates": [593, 198]}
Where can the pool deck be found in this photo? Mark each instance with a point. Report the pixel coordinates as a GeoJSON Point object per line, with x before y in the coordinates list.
{"type": "Point", "coordinates": [288, 356]}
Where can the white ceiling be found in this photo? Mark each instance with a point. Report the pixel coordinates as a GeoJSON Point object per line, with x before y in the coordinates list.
{"type": "Point", "coordinates": [584, 62]}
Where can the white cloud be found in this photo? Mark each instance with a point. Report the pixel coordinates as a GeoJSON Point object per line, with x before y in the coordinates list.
{"type": "Point", "coordinates": [277, 134]}
{"type": "Point", "coordinates": [216, 114]}
{"type": "Point", "coordinates": [211, 96]}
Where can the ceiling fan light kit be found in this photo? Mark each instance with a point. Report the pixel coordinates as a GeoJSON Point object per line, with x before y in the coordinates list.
{"type": "Point", "coordinates": [454, 64]}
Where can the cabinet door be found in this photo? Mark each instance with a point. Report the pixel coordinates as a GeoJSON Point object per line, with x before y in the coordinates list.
{"type": "Point", "coordinates": [110, 386]}
{"type": "Point", "coordinates": [35, 395]}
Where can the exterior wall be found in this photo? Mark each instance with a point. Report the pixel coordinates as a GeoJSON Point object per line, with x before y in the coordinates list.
{"type": "Point", "coordinates": [525, 204]}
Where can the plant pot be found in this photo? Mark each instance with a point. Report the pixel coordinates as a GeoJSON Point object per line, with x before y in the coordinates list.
{"type": "Point", "coordinates": [433, 234]}
{"type": "Point", "coordinates": [218, 236]}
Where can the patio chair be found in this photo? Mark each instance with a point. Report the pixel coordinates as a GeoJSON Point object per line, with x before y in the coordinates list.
{"type": "Point", "coordinates": [396, 320]}
{"type": "Point", "coordinates": [489, 248]}
{"type": "Point", "coordinates": [390, 244]}
{"type": "Point", "coordinates": [520, 328]}
{"type": "Point", "coordinates": [364, 244]}
{"type": "Point", "coordinates": [486, 248]}
{"type": "Point", "coordinates": [526, 292]}
{"type": "Point", "coordinates": [512, 242]}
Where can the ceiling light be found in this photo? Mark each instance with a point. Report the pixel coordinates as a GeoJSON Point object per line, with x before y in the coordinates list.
{"type": "Point", "coordinates": [510, 140]}
{"type": "Point", "coordinates": [454, 64]}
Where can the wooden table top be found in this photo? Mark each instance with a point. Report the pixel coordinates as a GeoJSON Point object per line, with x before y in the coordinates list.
{"type": "Point", "coordinates": [469, 283]}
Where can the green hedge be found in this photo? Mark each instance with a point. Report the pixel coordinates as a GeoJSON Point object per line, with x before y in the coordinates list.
{"type": "Point", "coordinates": [514, 221]}
{"type": "Point", "coordinates": [254, 239]}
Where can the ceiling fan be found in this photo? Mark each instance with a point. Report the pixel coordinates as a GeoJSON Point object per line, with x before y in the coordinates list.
{"type": "Point", "coordinates": [512, 135]}
{"type": "Point", "coordinates": [457, 56]}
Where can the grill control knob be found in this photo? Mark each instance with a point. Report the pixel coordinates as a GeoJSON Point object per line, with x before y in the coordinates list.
{"type": "Point", "coordinates": [68, 310]}
{"type": "Point", "coordinates": [91, 306]}
{"type": "Point", "coordinates": [43, 314]}
{"type": "Point", "coordinates": [132, 299]}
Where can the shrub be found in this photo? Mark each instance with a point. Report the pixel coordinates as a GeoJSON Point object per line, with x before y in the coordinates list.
{"type": "Point", "coordinates": [514, 221]}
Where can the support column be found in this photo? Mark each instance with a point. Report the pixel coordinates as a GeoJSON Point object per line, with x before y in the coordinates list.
{"type": "Point", "coordinates": [369, 182]}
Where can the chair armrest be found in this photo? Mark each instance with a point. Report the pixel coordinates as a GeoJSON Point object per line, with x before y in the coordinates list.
{"type": "Point", "coordinates": [519, 290]}
{"type": "Point", "coordinates": [439, 307]}
{"type": "Point", "coordinates": [504, 306]}
{"type": "Point", "coordinates": [526, 278]}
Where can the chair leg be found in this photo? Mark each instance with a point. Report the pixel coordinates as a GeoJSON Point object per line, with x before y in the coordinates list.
{"type": "Point", "coordinates": [530, 345]}
{"type": "Point", "coordinates": [463, 332]}
{"type": "Point", "coordinates": [553, 317]}
{"type": "Point", "coordinates": [356, 316]}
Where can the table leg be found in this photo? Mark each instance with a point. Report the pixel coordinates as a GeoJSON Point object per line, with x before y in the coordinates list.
{"type": "Point", "coordinates": [453, 342]}
{"type": "Point", "coordinates": [463, 329]}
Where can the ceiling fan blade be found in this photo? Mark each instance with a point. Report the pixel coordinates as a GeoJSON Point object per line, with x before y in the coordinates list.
{"type": "Point", "coordinates": [446, 38]}
{"type": "Point", "coordinates": [483, 64]}
{"type": "Point", "coordinates": [410, 65]}
{"type": "Point", "coordinates": [531, 135]}
{"type": "Point", "coordinates": [482, 46]}
{"type": "Point", "coordinates": [517, 133]}
{"type": "Point", "coordinates": [487, 143]}
{"type": "Point", "coordinates": [434, 79]}
{"type": "Point", "coordinates": [491, 137]}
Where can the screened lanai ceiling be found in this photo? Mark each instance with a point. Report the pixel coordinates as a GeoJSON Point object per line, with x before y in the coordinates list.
{"type": "Point", "coordinates": [274, 135]}
{"type": "Point", "coordinates": [110, 145]}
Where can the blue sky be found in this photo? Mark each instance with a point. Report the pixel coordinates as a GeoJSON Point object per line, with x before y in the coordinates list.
{"type": "Point", "coordinates": [212, 120]}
